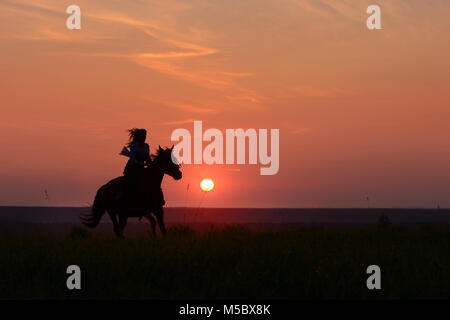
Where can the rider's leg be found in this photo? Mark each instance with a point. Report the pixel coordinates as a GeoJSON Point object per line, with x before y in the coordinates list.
{"type": "Point", "coordinates": [132, 175]}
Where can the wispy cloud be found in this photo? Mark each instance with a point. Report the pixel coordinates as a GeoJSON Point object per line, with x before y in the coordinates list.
{"type": "Point", "coordinates": [186, 54]}
{"type": "Point", "coordinates": [318, 92]}
{"type": "Point", "coordinates": [192, 108]}
{"type": "Point", "coordinates": [237, 74]}
{"type": "Point", "coordinates": [177, 122]}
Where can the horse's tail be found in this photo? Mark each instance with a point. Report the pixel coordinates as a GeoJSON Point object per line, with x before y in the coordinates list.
{"type": "Point", "coordinates": [92, 218]}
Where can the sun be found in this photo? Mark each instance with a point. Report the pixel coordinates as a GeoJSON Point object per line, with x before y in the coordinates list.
{"type": "Point", "coordinates": [207, 184]}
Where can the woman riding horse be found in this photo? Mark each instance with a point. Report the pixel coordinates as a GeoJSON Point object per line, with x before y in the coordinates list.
{"type": "Point", "coordinates": [139, 154]}
{"type": "Point", "coordinates": [142, 181]}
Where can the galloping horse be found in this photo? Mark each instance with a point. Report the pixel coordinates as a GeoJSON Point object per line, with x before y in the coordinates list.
{"type": "Point", "coordinates": [147, 200]}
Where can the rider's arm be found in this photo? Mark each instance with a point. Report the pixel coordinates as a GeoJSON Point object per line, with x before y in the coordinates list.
{"type": "Point", "coordinates": [133, 151]}
{"type": "Point", "coordinates": [125, 152]}
{"type": "Point", "coordinates": [149, 159]}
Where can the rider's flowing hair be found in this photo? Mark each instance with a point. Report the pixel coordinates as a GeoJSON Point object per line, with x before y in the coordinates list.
{"type": "Point", "coordinates": [134, 135]}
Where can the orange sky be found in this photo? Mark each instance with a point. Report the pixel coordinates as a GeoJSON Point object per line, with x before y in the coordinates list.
{"type": "Point", "coordinates": [360, 112]}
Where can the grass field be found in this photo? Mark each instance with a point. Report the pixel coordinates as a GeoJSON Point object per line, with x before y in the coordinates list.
{"type": "Point", "coordinates": [230, 263]}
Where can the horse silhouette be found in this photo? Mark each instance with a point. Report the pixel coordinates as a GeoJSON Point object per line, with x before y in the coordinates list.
{"type": "Point", "coordinates": [146, 200]}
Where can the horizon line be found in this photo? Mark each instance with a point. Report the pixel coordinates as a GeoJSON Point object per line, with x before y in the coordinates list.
{"type": "Point", "coordinates": [246, 208]}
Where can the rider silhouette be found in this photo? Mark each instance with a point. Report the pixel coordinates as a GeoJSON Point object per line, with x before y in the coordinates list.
{"type": "Point", "coordinates": [139, 153]}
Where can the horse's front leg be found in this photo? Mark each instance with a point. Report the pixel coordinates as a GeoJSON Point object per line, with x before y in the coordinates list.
{"type": "Point", "coordinates": [152, 223]}
{"type": "Point", "coordinates": [159, 213]}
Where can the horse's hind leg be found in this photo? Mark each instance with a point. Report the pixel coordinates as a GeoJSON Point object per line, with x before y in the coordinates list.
{"type": "Point", "coordinates": [152, 223]}
{"type": "Point", "coordinates": [115, 224]}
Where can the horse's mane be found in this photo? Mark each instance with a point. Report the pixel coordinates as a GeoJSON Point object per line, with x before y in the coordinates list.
{"type": "Point", "coordinates": [158, 153]}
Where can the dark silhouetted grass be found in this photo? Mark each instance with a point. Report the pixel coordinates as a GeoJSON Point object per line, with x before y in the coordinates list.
{"type": "Point", "coordinates": [231, 263]}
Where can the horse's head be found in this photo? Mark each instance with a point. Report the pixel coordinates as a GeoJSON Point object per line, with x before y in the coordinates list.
{"type": "Point", "coordinates": [163, 159]}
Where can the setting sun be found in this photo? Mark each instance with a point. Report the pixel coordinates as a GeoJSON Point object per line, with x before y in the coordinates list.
{"type": "Point", "coordinates": [207, 184]}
